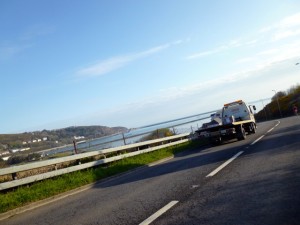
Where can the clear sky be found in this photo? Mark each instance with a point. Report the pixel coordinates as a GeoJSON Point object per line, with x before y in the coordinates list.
{"type": "Point", "coordinates": [136, 62]}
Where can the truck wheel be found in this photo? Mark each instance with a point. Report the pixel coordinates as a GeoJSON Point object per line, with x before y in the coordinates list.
{"type": "Point", "coordinates": [215, 141]}
{"type": "Point", "coordinates": [219, 140]}
{"type": "Point", "coordinates": [241, 134]}
{"type": "Point", "coordinates": [212, 141]}
{"type": "Point", "coordinates": [253, 128]}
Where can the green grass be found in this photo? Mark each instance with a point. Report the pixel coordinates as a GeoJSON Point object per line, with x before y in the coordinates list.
{"type": "Point", "coordinates": [44, 189]}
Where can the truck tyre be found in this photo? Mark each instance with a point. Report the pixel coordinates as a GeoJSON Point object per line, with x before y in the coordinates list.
{"type": "Point", "coordinates": [215, 141]}
{"type": "Point", "coordinates": [241, 134]}
{"type": "Point", "coordinates": [253, 128]}
{"type": "Point", "coordinates": [212, 141]}
{"type": "Point", "coordinates": [219, 140]}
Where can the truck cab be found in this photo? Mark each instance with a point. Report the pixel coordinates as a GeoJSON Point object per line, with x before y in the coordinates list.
{"type": "Point", "coordinates": [238, 119]}
{"type": "Point", "coordinates": [237, 111]}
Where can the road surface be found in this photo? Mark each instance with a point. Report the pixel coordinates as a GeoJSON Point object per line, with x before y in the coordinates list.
{"type": "Point", "coordinates": [255, 181]}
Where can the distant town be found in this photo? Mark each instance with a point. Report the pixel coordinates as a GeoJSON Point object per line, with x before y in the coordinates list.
{"type": "Point", "coordinates": [28, 143]}
{"type": "Point", "coordinates": [6, 154]}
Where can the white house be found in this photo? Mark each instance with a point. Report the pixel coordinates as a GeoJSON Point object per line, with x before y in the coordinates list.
{"type": "Point", "coordinates": [15, 150]}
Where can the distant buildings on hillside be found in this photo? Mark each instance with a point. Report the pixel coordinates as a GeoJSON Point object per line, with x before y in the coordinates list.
{"type": "Point", "coordinates": [78, 137]}
{"type": "Point", "coordinates": [35, 141]}
{"type": "Point", "coordinates": [6, 154]}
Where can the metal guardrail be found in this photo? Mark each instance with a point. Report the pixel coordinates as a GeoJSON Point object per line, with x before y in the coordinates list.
{"type": "Point", "coordinates": [134, 149]}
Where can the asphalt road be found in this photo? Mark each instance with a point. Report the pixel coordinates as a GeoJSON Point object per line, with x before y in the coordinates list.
{"type": "Point", "coordinates": [260, 186]}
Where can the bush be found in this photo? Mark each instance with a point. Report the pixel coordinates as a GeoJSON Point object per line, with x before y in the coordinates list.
{"type": "Point", "coordinates": [160, 133]}
{"type": "Point", "coordinates": [286, 100]}
{"type": "Point", "coordinates": [2, 163]}
{"type": "Point", "coordinates": [17, 159]}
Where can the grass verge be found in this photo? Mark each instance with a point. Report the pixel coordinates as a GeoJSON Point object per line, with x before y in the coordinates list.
{"type": "Point", "coordinates": [44, 189]}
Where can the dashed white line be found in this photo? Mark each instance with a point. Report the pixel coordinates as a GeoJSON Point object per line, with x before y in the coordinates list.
{"type": "Point", "coordinates": [158, 213]}
{"type": "Point", "coordinates": [278, 122]}
{"type": "Point", "coordinates": [224, 164]}
{"type": "Point", "coordinates": [172, 203]}
{"type": "Point", "coordinates": [257, 140]}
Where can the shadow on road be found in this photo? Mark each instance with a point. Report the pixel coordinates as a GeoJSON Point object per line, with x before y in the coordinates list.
{"type": "Point", "coordinates": [270, 198]}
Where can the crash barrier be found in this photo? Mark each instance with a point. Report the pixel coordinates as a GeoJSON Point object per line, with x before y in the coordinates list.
{"type": "Point", "coordinates": [32, 172]}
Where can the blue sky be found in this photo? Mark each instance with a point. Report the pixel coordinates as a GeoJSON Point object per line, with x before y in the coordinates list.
{"type": "Point", "coordinates": [133, 63]}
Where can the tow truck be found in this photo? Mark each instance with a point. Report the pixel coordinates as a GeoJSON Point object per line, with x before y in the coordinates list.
{"type": "Point", "coordinates": [234, 120]}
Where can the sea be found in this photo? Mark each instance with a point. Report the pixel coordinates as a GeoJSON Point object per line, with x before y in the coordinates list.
{"type": "Point", "coordinates": [182, 125]}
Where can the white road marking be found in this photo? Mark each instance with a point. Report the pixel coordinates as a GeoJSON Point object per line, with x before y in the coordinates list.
{"type": "Point", "coordinates": [278, 122]}
{"type": "Point", "coordinates": [257, 140]}
{"type": "Point", "coordinates": [239, 153]}
{"type": "Point", "coordinates": [224, 164]}
{"type": "Point", "coordinates": [158, 213]}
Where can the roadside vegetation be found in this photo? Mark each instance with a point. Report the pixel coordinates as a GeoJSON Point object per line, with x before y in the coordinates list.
{"type": "Point", "coordinates": [286, 100]}
{"type": "Point", "coordinates": [24, 195]}
{"type": "Point", "coordinates": [160, 133]}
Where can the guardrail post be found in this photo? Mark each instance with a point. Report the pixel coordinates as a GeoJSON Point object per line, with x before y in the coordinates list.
{"type": "Point", "coordinates": [124, 139]}
{"type": "Point", "coordinates": [75, 149]}
{"type": "Point", "coordinates": [14, 176]}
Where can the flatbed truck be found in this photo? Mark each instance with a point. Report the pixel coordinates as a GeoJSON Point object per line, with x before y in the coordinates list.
{"type": "Point", "coordinates": [233, 121]}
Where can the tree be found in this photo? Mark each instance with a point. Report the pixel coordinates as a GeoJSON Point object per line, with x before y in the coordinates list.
{"type": "Point", "coordinates": [278, 95]}
{"type": "Point", "coordinates": [2, 163]}
{"type": "Point", "coordinates": [33, 157]}
{"type": "Point", "coordinates": [286, 101]}
{"type": "Point", "coordinates": [17, 159]}
{"type": "Point", "coordinates": [160, 133]}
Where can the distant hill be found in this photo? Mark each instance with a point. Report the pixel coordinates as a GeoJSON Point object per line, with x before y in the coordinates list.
{"type": "Point", "coordinates": [39, 140]}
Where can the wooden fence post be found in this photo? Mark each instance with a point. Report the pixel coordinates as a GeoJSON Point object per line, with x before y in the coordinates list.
{"type": "Point", "coordinates": [75, 147]}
